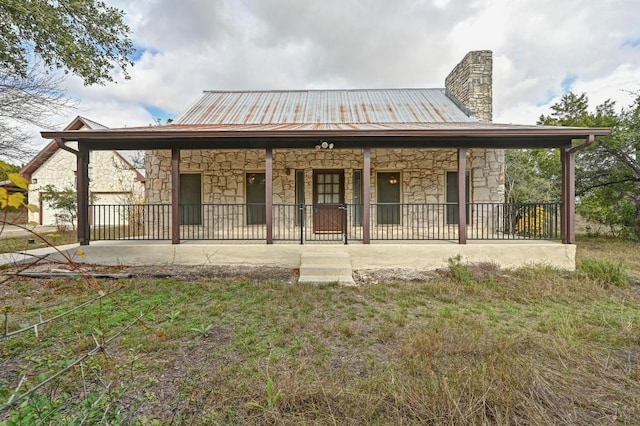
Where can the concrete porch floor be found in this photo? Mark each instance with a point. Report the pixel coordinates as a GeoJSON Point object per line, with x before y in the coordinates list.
{"type": "Point", "coordinates": [416, 255]}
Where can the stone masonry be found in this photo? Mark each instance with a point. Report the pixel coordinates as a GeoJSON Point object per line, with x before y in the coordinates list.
{"type": "Point", "coordinates": [422, 173]}
{"type": "Point", "coordinates": [470, 84]}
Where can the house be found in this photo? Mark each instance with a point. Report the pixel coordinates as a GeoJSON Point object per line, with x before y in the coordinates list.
{"type": "Point", "coordinates": [340, 166]}
{"type": "Point", "coordinates": [113, 180]}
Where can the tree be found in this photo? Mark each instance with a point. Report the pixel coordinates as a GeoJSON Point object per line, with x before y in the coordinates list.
{"type": "Point", "coordinates": [532, 175]}
{"type": "Point", "coordinates": [65, 202]}
{"type": "Point", "coordinates": [37, 37]}
{"type": "Point", "coordinates": [87, 38]}
{"type": "Point", "coordinates": [607, 173]}
{"type": "Point", "coordinates": [29, 100]}
{"type": "Point", "coordinates": [6, 169]}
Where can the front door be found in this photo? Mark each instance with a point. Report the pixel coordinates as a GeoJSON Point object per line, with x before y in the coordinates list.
{"type": "Point", "coordinates": [328, 197]}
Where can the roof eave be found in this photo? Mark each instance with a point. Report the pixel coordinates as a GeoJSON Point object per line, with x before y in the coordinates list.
{"type": "Point", "coordinates": [156, 133]}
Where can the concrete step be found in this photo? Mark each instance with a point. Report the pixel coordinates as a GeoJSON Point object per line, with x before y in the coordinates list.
{"type": "Point", "coordinates": [319, 269]}
{"type": "Point", "coordinates": [320, 279]}
{"type": "Point", "coordinates": [326, 267]}
{"type": "Point", "coordinates": [326, 258]}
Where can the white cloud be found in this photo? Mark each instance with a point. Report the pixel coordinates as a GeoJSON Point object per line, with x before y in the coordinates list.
{"type": "Point", "coordinates": [538, 46]}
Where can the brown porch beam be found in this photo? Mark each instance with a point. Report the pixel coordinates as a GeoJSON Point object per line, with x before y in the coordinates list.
{"type": "Point", "coordinates": [571, 197]}
{"type": "Point", "coordinates": [366, 196]}
{"type": "Point", "coordinates": [563, 196]}
{"type": "Point", "coordinates": [175, 196]}
{"type": "Point", "coordinates": [462, 196]}
{"type": "Point", "coordinates": [82, 176]}
{"type": "Point", "coordinates": [568, 212]}
{"type": "Point", "coordinates": [268, 188]}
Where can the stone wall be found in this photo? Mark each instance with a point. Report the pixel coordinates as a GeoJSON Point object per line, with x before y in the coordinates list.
{"type": "Point", "coordinates": [422, 173]}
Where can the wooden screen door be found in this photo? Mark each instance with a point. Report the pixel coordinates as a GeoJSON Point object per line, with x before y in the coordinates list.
{"type": "Point", "coordinates": [328, 196]}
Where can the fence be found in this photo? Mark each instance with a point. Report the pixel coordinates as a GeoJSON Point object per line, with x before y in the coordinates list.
{"type": "Point", "coordinates": [327, 223]}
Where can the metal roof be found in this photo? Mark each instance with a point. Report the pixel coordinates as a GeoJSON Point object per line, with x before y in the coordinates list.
{"type": "Point", "coordinates": [342, 107]}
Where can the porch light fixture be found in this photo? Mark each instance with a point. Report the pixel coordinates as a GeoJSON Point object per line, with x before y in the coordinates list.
{"type": "Point", "coordinates": [393, 180]}
{"type": "Point", "coordinates": [324, 145]}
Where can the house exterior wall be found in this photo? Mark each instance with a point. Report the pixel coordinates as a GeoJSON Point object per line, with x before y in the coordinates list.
{"type": "Point", "coordinates": [110, 176]}
{"type": "Point", "coordinates": [421, 171]}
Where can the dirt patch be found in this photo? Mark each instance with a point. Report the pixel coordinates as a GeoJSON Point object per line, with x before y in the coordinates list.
{"type": "Point", "coordinates": [178, 272]}
{"type": "Point", "coordinates": [236, 272]}
{"type": "Point", "coordinates": [376, 276]}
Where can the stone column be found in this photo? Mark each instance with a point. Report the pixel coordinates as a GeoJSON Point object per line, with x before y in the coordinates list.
{"type": "Point", "coordinates": [470, 84]}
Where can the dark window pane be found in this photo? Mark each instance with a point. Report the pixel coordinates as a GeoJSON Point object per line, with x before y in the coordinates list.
{"type": "Point", "coordinates": [388, 198]}
{"type": "Point", "coordinates": [256, 199]}
{"type": "Point", "coordinates": [190, 199]}
{"type": "Point", "coordinates": [452, 197]}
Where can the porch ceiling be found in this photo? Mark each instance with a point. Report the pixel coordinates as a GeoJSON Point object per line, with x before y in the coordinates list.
{"type": "Point", "coordinates": [394, 135]}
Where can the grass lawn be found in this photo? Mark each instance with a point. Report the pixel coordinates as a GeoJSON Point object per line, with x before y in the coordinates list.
{"type": "Point", "coordinates": [30, 242]}
{"type": "Point", "coordinates": [472, 345]}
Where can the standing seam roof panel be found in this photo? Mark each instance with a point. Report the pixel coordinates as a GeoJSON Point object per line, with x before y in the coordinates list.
{"type": "Point", "coordinates": [324, 107]}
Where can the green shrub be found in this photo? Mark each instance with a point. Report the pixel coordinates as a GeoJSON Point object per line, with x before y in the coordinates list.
{"type": "Point", "coordinates": [459, 271]}
{"type": "Point", "coordinates": [607, 272]}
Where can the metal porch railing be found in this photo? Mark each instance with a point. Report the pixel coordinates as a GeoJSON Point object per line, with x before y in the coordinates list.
{"type": "Point", "coordinates": [327, 223]}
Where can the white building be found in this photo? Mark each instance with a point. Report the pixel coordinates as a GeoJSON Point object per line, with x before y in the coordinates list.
{"type": "Point", "coordinates": [113, 180]}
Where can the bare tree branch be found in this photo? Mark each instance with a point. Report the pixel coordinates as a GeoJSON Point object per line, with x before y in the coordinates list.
{"type": "Point", "coordinates": [25, 102]}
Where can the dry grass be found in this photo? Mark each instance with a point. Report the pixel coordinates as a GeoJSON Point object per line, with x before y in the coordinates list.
{"type": "Point", "coordinates": [30, 242]}
{"type": "Point", "coordinates": [473, 345]}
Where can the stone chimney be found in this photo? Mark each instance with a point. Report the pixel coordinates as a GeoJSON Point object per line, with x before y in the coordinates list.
{"type": "Point", "coordinates": [470, 83]}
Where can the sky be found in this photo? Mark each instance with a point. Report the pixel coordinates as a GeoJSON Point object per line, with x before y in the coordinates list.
{"type": "Point", "coordinates": [541, 50]}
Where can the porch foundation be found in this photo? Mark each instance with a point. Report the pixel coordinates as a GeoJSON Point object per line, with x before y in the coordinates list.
{"type": "Point", "coordinates": [379, 255]}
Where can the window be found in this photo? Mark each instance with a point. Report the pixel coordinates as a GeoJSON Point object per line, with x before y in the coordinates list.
{"type": "Point", "coordinates": [388, 198]}
{"type": "Point", "coordinates": [299, 195]}
{"type": "Point", "coordinates": [357, 197]}
{"type": "Point", "coordinates": [256, 198]}
{"type": "Point", "coordinates": [452, 197]}
{"type": "Point", "coordinates": [191, 199]}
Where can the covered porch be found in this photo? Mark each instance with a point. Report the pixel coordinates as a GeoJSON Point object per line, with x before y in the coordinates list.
{"type": "Point", "coordinates": [364, 222]}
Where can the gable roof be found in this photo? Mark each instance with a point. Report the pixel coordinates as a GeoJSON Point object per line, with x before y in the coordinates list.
{"type": "Point", "coordinates": [301, 107]}
{"type": "Point", "coordinates": [375, 118]}
{"type": "Point", "coordinates": [78, 123]}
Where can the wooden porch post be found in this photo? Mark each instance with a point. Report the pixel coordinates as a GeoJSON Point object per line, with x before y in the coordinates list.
{"type": "Point", "coordinates": [563, 196]}
{"type": "Point", "coordinates": [571, 197]}
{"type": "Point", "coordinates": [268, 188]}
{"type": "Point", "coordinates": [175, 196]}
{"type": "Point", "coordinates": [366, 197]}
{"type": "Point", "coordinates": [82, 176]}
{"type": "Point", "coordinates": [462, 196]}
